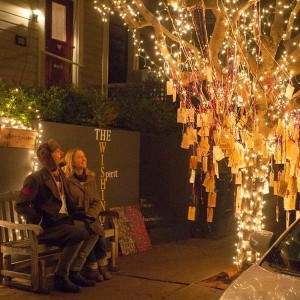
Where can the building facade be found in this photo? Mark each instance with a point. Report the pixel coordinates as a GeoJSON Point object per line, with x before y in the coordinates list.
{"type": "Point", "coordinates": [46, 42]}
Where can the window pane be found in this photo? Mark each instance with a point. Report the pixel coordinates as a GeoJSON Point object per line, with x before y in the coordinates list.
{"type": "Point", "coordinates": [59, 28]}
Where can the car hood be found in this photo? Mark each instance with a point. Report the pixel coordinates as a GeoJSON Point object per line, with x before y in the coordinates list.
{"type": "Point", "coordinates": [258, 283]}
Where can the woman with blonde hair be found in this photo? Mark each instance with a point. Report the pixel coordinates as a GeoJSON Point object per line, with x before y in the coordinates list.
{"type": "Point", "coordinates": [83, 189]}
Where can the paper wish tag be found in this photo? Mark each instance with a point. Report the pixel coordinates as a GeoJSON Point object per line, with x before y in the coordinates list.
{"type": "Point", "coordinates": [204, 131]}
{"type": "Point", "coordinates": [185, 143]}
{"type": "Point", "coordinates": [292, 185]}
{"type": "Point", "coordinates": [289, 91]}
{"type": "Point", "coordinates": [225, 139]}
{"type": "Point", "coordinates": [212, 199]}
{"type": "Point", "coordinates": [238, 199]}
{"type": "Point", "coordinates": [265, 150]}
{"type": "Point", "coordinates": [218, 154]}
{"type": "Point", "coordinates": [209, 74]}
{"type": "Point", "coordinates": [204, 164]}
{"type": "Point", "coordinates": [193, 162]}
{"type": "Point", "coordinates": [271, 179]}
{"type": "Point", "coordinates": [282, 188]}
{"type": "Point", "coordinates": [174, 97]}
{"type": "Point", "coordinates": [289, 201]}
{"type": "Point", "coordinates": [204, 118]}
{"type": "Point", "coordinates": [216, 169]}
{"type": "Point", "coordinates": [210, 117]}
{"type": "Point", "coordinates": [199, 121]}
{"type": "Point", "coordinates": [216, 136]}
{"type": "Point", "coordinates": [209, 183]}
{"type": "Point", "coordinates": [292, 151]}
{"type": "Point", "coordinates": [234, 169]}
{"type": "Point", "coordinates": [204, 144]}
{"type": "Point", "coordinates": [280, 127]}
{"type": "Point", "coordinates": [190, 115]}
{"type": "Point", "coordinates": [258, 140]}
{"type": "Point", "coordinates": [199, 155]}
{"type": "Point", "coordinates": [266, 188]}
{"type": "Point", "coordinates": [192, 134]}
{"type": "Point", "coordinates": [287, 171]}
{"type": "Point", "coordinates": [192, 177]}
{"type": "Point", "coordinates": [170, 87]}
{"type": "Point", "coordinates": [181, 115]}
{"type": "Point", "coordinates": [275, 188]}
{"type": "Point", "coordinates": [296, 134]}
{"type": "Point", "coordinates": [210, 214]}
{"type": "Point", "coordinates": [292, 170]}
{"type": "Point", "coordinates": [238, 177]}
{"type": "Point", "coordinates": [192, 213]}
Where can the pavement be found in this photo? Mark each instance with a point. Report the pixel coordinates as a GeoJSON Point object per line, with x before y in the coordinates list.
{"type": "Point", "coordinates": [172, 271]}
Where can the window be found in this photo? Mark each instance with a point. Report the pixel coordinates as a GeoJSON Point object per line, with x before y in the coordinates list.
{"type": "Point", "coordinates": [59, 26]}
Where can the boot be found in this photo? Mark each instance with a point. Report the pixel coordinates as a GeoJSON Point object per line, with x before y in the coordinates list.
{"type": "Point", "coordinates": [63, 284]}
{"type": "Point", "coordinates": [76, 278]}
{"type": "Point", "coordinates": [104, 272]}
{"type": "Point", "coordinates": [93, 274]}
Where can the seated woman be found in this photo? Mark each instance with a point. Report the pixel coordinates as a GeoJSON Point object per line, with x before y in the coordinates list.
{"type": "Point", "coordinates": [83, 188]}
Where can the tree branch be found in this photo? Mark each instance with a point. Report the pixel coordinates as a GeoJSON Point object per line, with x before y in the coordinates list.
{"type": "Point", "coordinates": [291, 21]}
{"type": "Point", "coordinates": [270, 44]}
{"type": "Point", "coordinates": [277, 25]}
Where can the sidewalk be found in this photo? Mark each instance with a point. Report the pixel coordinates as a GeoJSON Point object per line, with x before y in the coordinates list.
{"type": "Point", "coordinates": [168, 271]}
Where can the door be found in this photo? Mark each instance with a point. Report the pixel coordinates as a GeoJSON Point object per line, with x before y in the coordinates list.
{"type": "Point", "coordinates": [59, 42]}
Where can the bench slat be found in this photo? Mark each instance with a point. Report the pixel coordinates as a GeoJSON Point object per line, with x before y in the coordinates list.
{"type": "Point", "coordinates": [4, 231]}
{"type": "Point", "coordinates": [18, 238]}
{"type": "Point", "coordinates": [15, 274]}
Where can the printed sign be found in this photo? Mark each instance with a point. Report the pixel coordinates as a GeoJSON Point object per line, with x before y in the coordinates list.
{"type": "Point", "coordinates": [104, 138]}
{"type": "Point", "coordinates": [17, 138]}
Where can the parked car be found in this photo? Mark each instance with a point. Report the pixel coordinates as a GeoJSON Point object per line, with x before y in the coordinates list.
{"type": "Point", "coordinates": [277, 274]}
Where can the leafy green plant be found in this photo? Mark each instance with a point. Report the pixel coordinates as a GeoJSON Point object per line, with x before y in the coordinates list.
{"type": "Point", "coordinates": [18, 104]}
{"type": "Point", "coordinates": [87, 107]}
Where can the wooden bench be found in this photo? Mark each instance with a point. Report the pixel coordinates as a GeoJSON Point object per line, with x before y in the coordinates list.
{"type": "Point", "coordinates": [23, 262]}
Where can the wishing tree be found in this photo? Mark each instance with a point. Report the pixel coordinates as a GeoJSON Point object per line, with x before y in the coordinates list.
{"type": "Point", "coordinates": [234, 66]}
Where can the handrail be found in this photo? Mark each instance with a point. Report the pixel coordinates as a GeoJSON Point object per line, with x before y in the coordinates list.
{"type": "Point", "coordinates": [62, 58]}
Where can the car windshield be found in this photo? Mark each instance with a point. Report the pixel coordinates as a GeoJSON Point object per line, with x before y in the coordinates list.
{"type": "Point", "coordinates": [285, 257]}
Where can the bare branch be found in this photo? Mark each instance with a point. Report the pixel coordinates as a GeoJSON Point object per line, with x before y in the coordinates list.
{"type": "Point", "coordinates": [277, 25]}
{"type": "Point", "coordinates": [293, 53]}
{"type": "Point", "coordinates": [292, 44]}
{"type": "Point", "coordinates": [291, 21]}
{"type": "Point", "coordinates": [294, 67]}
{"type": "Point", "coordinates": [270, 44]}
{"type": "Point", "coordinates": [160, 33]}
{"type": "Point", "coordinates": [217, 38]}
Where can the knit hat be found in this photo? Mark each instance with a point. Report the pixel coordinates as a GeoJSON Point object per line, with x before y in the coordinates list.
{"type": "Point", "coordinates": [44, 152]}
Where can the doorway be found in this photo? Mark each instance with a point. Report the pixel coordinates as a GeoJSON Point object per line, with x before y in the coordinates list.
{"type": "Point", "coordinates": [59, 42]}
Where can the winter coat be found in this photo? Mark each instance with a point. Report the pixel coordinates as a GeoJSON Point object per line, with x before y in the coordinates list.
{"type": "Point", "coordinates": [39, 202]}
{"type": "Point", "coordinates": [86, 195]}
{"type": "Point", "coordinates": [39, 199]}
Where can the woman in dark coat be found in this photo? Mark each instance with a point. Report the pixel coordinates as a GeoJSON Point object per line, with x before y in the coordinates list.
{"type": "Point", "coordinates": [84, 191]}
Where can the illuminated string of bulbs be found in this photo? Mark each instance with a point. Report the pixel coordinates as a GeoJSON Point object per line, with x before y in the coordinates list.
{"type": "Point", "coordinates": [258, 86]}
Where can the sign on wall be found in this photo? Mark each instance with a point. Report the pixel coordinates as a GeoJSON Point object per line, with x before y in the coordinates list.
{"type": "Point", "coordinates": [112, 154]}
{"type": "Point", "coordinates": [17, 138]}
{"type": "Point", "coordinates": [103, 136]}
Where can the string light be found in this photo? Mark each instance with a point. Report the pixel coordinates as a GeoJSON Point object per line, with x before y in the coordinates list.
{"type": "Point", "coordinates": [228, 96]}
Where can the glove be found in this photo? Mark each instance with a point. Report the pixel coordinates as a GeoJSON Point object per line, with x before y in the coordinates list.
{"type": "Point", "coordinates": [92, 219]}
{"type": "Point", "coordinates": [79, 215]}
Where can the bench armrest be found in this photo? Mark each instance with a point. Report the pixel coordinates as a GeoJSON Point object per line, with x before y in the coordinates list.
{"type": "Point", "coordinates": [109, 213]}
{"type": "Point", "coordinates": [10, 225]}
